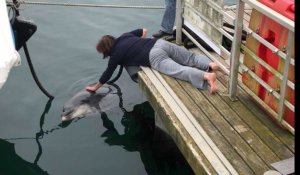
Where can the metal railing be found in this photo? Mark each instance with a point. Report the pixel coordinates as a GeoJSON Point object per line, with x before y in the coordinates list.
{"type": "Point", "coordinates": [288, 24]}
{"type": "Point", "coordinates": [236, 64]}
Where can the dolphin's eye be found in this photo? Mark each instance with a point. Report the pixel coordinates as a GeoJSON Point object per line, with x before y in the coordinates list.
{"type": "Point", "coordinates": [65, 109]}
{"type": "Point", "coordinates": [67, 112]}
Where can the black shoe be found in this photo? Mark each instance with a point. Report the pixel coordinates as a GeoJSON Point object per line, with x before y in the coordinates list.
{"type": "Point", "coordinates": [161, 34]}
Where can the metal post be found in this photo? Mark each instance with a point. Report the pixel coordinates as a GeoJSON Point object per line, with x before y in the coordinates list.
{"type": "Point", "coordinates": [285, 77]}
{"type": "Point", "coordinates": [235, 51]}
{"type": "Point", "coordinates": [178, 21]}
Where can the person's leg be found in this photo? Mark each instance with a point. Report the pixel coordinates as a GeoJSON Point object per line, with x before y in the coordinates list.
{"type": "Point", "coordinates": [185, 57]}
{"type": "Point", "coordinates": [160, 61]}
{"type": "Point", "coordinates": [168, 20]}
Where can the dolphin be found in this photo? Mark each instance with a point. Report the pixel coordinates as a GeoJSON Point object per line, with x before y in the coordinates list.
{"type": "Point", "coordinates": [84, 103]}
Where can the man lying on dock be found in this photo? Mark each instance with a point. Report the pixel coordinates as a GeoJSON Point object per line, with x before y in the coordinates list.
{"type": "Point", "coordinates": [134, 49]}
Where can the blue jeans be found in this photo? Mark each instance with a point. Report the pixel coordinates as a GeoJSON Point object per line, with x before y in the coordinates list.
{"type": "Point", "coordinates": [175, 61]}
{"type": "Point", "coordinates": [168, 20]}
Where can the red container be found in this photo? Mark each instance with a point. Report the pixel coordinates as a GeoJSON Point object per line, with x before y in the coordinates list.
{"type": "Point", "coordinates": [277, 35]}
{"type": "Point", "coordinates": [284, 7]}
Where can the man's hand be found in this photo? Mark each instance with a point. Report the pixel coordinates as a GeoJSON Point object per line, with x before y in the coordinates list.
{"type": "Point", "coordinates": [93, 88]}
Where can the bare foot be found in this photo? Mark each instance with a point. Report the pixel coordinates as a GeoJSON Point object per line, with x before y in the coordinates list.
{"type": "Point", "coordinates": [211, 78]}
{"type": "Point", "coordinates": [215, 67]}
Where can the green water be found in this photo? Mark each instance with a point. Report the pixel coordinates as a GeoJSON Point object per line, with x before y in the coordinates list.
{"type": "Point", "coordinates": [121, 141]}
{"type": "Point", "coordinates": [32, 138]}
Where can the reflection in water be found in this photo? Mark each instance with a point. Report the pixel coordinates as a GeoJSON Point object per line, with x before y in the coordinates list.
{"type": "Point", "coordinates": [39, 135]}
{"type": "Point", "coordinates": [12, 164]}
{"type": "Point", "coordinates": [158, 156]}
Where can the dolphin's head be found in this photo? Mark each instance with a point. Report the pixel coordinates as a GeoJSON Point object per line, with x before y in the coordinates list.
{"type": "Point", "coordinates": [79, 111]}
{"type": "Point", "coordinates": [83, 103]}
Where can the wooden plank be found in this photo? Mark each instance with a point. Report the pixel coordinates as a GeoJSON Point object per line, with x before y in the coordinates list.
{"type": "Point", "coordinates": [199, 128]}
{"type": "Point", "coordinates": [239, 164]}
{"type": "Point", "coordinates": [226, 100]}
{"type": "Point", "coordinates": [231, 10]}
{"type": "Point", "coordinates": [209, 149]}
{"type": "Point", "coordinates": [233, 14]}
{"type": "Point", "coordinates": [282, 134]}
{"type": "Point", "coordinates": [262, 123]}
{"type": "Point", "coordinates": [274, 141]}
{"type": "Point", "coordinates": [202, 18]}
{"type": "Point", "coordinates": [244, 130]}
{"type": "Point", "coordinates": [179, 134]}
{"type": "Point", "coordinates": [232, 136]}
{"type": "Point", "coordinates": [266, 135]}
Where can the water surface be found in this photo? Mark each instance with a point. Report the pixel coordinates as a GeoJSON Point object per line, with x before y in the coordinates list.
{"type": "Point", "coordinates": [123, 140]}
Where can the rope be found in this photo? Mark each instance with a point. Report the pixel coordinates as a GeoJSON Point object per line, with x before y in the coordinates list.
{"type": "Point", "coordinates": [15, 5]}
{"type": "Point", "coordinates": [34, 74]}
{"type": "Point", "coordinates": [90, 5]}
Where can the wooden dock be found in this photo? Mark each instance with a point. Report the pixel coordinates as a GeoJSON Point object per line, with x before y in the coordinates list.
{"type": "Point", "coordinates": [215, 134]}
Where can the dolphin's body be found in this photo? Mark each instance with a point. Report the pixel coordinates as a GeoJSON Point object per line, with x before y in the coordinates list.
{"type": "Point", "coordinates": [84, 103]}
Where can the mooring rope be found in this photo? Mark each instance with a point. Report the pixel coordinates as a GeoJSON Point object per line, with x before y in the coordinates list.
{"type": "Point", "coordinates": [89, 5]}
